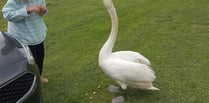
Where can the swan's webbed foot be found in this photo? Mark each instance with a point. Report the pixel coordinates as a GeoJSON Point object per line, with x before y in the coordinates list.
{"type": "Point", "coordinates": [119, 99]}
{"type": "Point", "coordinates": [114, 89]}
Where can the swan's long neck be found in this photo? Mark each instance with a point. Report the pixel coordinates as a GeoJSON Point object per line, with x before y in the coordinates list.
{"type": "Point", "coordinates": [108, 46]}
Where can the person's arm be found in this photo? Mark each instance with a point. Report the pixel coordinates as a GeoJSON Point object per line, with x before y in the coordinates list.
{"type": "Point", "coordinates": [10, 13]}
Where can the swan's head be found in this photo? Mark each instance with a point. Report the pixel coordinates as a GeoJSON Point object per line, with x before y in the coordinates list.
{"type": "Point", "coordinates": [107, 3]}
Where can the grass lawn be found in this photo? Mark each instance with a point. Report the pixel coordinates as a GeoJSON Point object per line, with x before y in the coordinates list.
{"type": "Point", "coordinates": [173, 34]}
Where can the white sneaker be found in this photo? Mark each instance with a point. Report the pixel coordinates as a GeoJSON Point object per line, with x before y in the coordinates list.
{"type": "Point", "coordinates": [44, 80]}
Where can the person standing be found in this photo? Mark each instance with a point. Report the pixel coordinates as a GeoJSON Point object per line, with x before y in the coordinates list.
{"type": "Point", "coordinates": [25, 23]}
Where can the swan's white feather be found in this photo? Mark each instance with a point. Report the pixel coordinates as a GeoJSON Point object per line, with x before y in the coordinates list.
{"type": "Point", "coordinates": [124, 70]}
{"type": "Point", "coordinates": [132, 56]}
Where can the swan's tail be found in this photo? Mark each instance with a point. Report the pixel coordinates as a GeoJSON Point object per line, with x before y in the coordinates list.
{"type": "Point", "coordinates": [153, 88]}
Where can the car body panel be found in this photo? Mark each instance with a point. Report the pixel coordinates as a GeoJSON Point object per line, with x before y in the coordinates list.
{"type": "Point", "coordinates": [19, 75]}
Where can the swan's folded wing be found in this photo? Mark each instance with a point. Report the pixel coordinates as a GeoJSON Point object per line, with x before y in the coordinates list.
{"type": "Point", "coordinates": [132, 56]}
{"type": "Point", "coordinates": [129, 71]}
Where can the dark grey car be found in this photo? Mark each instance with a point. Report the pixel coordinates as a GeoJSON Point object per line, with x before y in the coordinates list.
{"type": "Point", "coordinates": [19, 76]}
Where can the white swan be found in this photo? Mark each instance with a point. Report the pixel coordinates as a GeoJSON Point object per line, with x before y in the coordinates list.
{"type": "Point", "coordinates": [127, 68]}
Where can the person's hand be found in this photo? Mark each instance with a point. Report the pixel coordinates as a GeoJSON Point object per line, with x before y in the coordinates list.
{"type": "Point", "coordinates": [42, 10]}
{"type": "Point", "coordinates": [33, 8]}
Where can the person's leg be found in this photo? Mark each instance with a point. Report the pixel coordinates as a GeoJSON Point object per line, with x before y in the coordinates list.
{"type": "Point", "coordinates": [38, 53]}
{"type": "Point", "coordinates": [40, 57]}
{"type": "Point", "coordinates": [40, 61]}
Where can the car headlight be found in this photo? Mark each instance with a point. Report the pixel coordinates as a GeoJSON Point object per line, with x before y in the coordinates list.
{"type": "Point", "coordinates": [28, 54]}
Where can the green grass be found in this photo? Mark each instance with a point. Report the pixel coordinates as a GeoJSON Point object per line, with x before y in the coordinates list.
{"type": "Point", "coordinates": [173, 34]}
